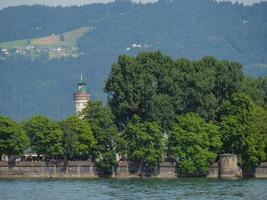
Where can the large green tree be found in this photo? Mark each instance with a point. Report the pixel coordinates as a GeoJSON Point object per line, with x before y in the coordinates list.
{"type": "Point", "coordinates": [194, 144]}
{"type": "Point", "coordinates": [159, 88]}
{"type": "Point", "coordinates": [13, 140]}
{"type": "Point", "coordinates": [45, 136]}
{"type": "Point", "coordinates": [242, 130]}
{"type": "Point", "coordinates": [105, 132]}
{"type": "Point", "coordinates": [133, 83]}
{"type": "Point", "coordinates": [78, 139]}
{"type": "Point", "coordinates": [145, 142]}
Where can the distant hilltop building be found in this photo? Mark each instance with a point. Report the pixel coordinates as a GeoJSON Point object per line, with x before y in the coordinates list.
{"type": "Point", "coordinates": [81, 96]}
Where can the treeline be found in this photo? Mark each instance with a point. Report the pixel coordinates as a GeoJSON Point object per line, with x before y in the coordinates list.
{"type": "Point", "coordinates": [94, 137]}
{"type": "Point", "coordinates": [158, 109]}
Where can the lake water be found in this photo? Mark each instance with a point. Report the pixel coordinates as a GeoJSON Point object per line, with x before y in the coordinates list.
{"type": "Point", "coordinates": [102, 189]}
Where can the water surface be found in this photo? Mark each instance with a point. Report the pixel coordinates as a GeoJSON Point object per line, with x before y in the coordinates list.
{"type": "Point", "coordinates": [102, 189]}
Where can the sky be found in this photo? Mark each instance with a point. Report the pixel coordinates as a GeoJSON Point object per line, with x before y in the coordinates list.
{"type": "Point", "coordinates": [7, 3]}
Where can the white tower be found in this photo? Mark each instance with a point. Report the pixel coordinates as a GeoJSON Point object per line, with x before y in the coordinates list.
{"type": "Point", "coordinates": [81, 96]}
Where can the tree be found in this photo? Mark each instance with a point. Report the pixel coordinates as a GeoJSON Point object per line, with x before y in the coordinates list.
{"type": "Point", "coordinates": [194, 144]}
{"type": "Point", "coordinates": [157, 88]}
{"type": "Point", "coordinates": [228, 79]}
{"type": "Point", "coordinates": [45, 136]}
{"type": "Point", "coordinates": [133, 86]}
{"type": "Point", "coordinates": [241, 132]}
{"type": "Point", "coordinates": [102, 122]}
{"type": "Point", "coordinates": [145, 143]}
{"type": "Point", "coordinates": [258, 126]}
{"type": "Point", "coordinates": [78, 139]}
{"type": "Point", "coordinates": [13, 140]}
{"type": "Point", "coordinates": [161, 110]}
{"type": "Point", "coordinates": [256, 89]}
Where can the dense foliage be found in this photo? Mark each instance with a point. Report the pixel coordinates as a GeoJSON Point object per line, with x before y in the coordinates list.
{"type": "Point", "coordinates": [78, 139]}
{"type": "Point", "coordinates": [181, 28]}
{"type": "Point", "coordinates": [194, 144]}
{"type": "Point", "coordinates": [13, 140]}
{"type": "Point", "coordinates": [145, 142]}
{"type": "Point", "coordinates": [101, 120]}
{"type": "Point", "coordinates": [159, 109]}
{"type": "Point", "coordinates": [256, 88]}
{"type": "Point", "coordinates": [158, 88]}
{"type": "Point", "coordinates": [45, 136]}
{"type": "Point", "coordinates": [240, 134]}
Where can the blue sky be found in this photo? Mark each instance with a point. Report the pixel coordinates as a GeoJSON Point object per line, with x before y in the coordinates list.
{"type": "Point", "coordinates": [7, 3]}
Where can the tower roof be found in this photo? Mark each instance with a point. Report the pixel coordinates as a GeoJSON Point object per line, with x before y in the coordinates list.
{"type": "Point", "coordinates": [82, 86]}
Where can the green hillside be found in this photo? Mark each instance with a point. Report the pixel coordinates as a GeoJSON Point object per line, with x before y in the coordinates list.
{"type": "Point", "coordinates": [43, 83]}
{"type": "Point", "coordinates": [14, 44]}
{"type": "Point", "coordinates": [68, 39]}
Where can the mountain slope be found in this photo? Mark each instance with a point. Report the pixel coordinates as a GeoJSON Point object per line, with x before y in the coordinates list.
{"type": "Point", "coordinates": [184, 28]}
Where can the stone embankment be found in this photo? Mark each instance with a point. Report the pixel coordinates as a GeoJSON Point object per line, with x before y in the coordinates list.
{"type": "Point", "coordinates": [79, 169]}
{"type": "Point", "coordinates": [261, 171]}
{"type": "Point", "coordinates": [226, 168]}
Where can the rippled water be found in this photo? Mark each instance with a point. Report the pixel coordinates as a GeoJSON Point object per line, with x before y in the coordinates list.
{"type": "Point", "coordinates": [101, 189]}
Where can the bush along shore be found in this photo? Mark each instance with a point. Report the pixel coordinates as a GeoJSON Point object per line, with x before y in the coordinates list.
{"type": "Point", "coordinates": [159, 110]}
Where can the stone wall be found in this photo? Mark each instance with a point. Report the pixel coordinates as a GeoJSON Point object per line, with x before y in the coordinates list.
{"type": "Point", "coordinates": [167, 170]}
{"type": "Point", "coordinates": [129, 169]}
{"type": "Point", "coordinates": [214, 171]}
{"type": "Point", "coordinates": [83, 169]}
{"type": "Point", "coordinates": [41, 169]}
{"type": "Point", "coordinates": [261, 171]}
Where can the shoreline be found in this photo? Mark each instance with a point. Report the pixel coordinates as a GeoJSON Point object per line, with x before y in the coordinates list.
{"type": "Point", "coordinates": [23, 177]}
{"type": "Point", "coordinates": [124, 170]}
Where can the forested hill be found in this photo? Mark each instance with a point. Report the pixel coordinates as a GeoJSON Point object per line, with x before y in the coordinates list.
{"type": "Point", "coordinates": [36, 84]}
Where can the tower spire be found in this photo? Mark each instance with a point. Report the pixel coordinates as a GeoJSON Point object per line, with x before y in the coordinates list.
{"type": "Point", "coordinates": [81, 78]}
